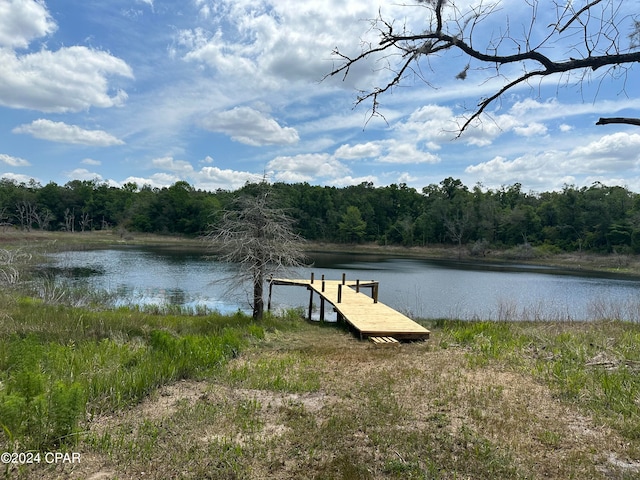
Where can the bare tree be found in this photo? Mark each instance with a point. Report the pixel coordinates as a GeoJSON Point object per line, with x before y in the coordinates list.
{"type": "Point", "coordinates": [583, 37]}
{"type": "Point", "coordinates": [69, 220]}
{"type": "Point", "coordinates": [43, 218]}
{"type": "Point", "coordinates": [85, 221]}
{"type": "Point", "coordinates": [457, 225]}
{"type": "Point", "coordinates": [26, 213]}
{"type": "Point", "coordinates": [260, 239]}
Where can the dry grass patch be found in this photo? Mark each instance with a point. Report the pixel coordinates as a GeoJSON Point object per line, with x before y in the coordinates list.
{"type": "Point", "coordinates": [319, 404]}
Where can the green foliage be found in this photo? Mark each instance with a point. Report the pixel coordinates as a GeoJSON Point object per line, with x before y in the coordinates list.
{"type": "Point", "coordinates": [598, 218]}
{"type": "Point", "coordinates": [59, 363]}
{"type": "Point", "coordinates": [39, 413]}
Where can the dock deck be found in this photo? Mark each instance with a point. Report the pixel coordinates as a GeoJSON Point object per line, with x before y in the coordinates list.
{"type": "Point", "coordinates": [364, 313]}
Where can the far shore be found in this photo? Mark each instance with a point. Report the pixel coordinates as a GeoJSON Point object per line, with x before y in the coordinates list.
{"type": "Point", "coordinates": [614, 263]}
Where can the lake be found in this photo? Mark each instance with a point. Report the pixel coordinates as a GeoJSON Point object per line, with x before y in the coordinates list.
{"type": "Point", "coordinates": [416, 287]}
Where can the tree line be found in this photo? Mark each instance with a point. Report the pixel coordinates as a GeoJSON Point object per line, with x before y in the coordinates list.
{"type": "Point", "coordinates": [598, 218]}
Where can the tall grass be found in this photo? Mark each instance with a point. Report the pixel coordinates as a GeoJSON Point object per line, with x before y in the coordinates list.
{"type": "Point", "coordinates": [60, 365]}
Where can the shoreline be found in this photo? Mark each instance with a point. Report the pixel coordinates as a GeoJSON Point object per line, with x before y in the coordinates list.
{"type": "Point", "coordinates": [627, 265]}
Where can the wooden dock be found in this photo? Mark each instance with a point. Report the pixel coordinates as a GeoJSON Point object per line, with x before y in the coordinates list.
{"type": "Point", "coordinates": [368, 317]}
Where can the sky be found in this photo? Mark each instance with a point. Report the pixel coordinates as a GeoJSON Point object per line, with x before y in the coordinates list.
{"type": "Point", "coordinates": [218, 93]}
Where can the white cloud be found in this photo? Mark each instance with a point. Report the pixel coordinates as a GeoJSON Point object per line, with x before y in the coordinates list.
{"type": "Point", "coordinates": [407, 178]}
{"type": "Point", "coordinates": [83, 174]}
{"type": "Point", "coordinates": [157, 180]}
{"type": "Point", "coordinates": [147, 2]}
{"type": "Point", "coordinates": [431, 123]}
{"type": "Point", "coordinates": [19, 178]}
{"type": "Point", "coordinates": [177, 166]}
{"type": "Point", "coordinates": [63, 133]}
{"type": "Point", "coordinates": [13, 161]}
{"type": "Point", "coordinates": [91, 161]}
{"type": "Point", "coordinates": [70, 79]}
{"type": "Point", "coordinates": [533, 170]}
{"type": "Point", "coordinates": [601, 160]}
{"type": "Point", "coordinates": [617, 147]}
{"type": "Point", "coordinates": [212, 178]}
{"type": "Point", "coordinates": [306, 167]}
{"type": "Point", "coordinates": [266, 43]}
{"type": "Point", "coordinates": [249, 126]}
{"type": "Point", "coordinates": [23, 20]}
{"type": "Point", "coordinates": [207, 178]}
{"type": "Point", "coordinates": [406, 153]}
{"type": "Point", "coordinates": [349, 180]}
{"type": "Point", "coordinates": [358, 151]}
{"type": "Point", "coordinates": [531, 130]}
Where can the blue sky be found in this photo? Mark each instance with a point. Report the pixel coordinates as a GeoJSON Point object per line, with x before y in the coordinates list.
{"type": "Point", "coordinates": [221, 92]}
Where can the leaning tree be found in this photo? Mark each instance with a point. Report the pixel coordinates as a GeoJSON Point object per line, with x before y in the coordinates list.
{"type": "Point", "coordinates": [259, 238]}
{"type": "Point", "coordinates": [591, 39]}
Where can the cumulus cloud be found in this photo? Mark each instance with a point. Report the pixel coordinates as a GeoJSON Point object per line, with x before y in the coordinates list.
{"type": "Point", "coordinates": [22, 21]}
{"type": "Point", "coordinates": [19, 178]}
{"type": "Point", "coordinates": [358, 151]}
{"type": "Point", "coordinates": [265, 44]}
{"type": "Point", "coordinates": [83, 174]}
{"type": "Point", "coordinates": [406, 153]}
{"type": "Point", "coordinates": [177, 166]}
{"type": "Point", "coordinates": [207, 178]}
{"type": "Point", "coordinates": [13, 161]}
{"type": "Point", "coordinates": [157, 180]}
{"type": "Point", "coordinates": [349, 180]}
{"type": "Point", "coordinates": [249, 126]}
{"type": "Point", "coordinates": [617, 147]}
{"type": "Point", "coordinates": [62, 133]}
{"type": "Point", "coordinates": [69, 79]}
{"type": "Point", "coordinates": [531, 129]}
{"type": "Point", "coordinates": [212, 178]}
{"type": "Point", "coordinates": [306, 167]}
{"type": "Point", "coordinates": [601, 160]}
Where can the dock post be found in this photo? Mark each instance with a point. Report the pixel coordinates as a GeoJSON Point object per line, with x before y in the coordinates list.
{"type": "Point", "coordinates": [323, 285]}
{"type": "Point", "coordinates": [358, 285]}
{"type": "Point", "coordinates": [311, 277]}
{"type": "Point", "coordinates": [310, 302]}
{"type": "Point", "coordinates": [339, 292]}
{"type": "Point", "coordinates": [374, 291]}
{"type": "Point", "coordinates": [321, 308]}
{"type": "Point", "coordinates": [344, 278]}
{"type": "Point", "coordinates": [270, 291]}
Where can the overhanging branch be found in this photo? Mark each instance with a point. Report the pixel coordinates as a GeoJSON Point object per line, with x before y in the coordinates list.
{"type": "Point", "coordinates": [628, 121]}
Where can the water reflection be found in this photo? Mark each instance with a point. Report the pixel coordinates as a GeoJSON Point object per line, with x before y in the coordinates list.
{"type": "Point", "coordinates": [419, 288]}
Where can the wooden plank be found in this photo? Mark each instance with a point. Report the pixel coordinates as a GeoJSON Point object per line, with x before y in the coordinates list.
{"type": "Point", "coordinates": [363, 313]}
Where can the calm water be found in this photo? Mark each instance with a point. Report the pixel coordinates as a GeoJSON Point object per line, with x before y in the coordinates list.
{"type": "Point", "coordinates": [421, 288]}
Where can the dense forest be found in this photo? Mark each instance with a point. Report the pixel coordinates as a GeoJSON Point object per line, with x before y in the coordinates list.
{"type": "Point", "coordinates": [598, 218]}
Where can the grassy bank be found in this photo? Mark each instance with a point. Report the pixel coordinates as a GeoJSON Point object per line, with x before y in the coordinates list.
{"type": "Point", "coordinates": [166, 396]}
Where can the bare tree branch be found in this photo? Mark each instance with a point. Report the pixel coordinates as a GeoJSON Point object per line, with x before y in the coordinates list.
{"type": "Point", "coordinates": [259, 238]}
{"type": "Point", "coordinates": [578, 13]}
{"type": "Point", "coordinates": [584, 47]}
{"type": "Point", "coordinates": [628, 121]}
